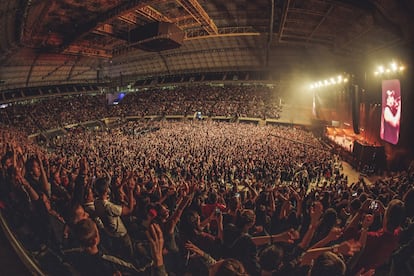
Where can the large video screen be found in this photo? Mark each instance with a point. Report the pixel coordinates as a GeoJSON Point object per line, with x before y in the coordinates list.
{"type": "Point", "coordinates": [391, 111]}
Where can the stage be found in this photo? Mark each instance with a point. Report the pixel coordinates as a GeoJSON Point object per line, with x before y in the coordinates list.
{"type": "Point", "coordinates": [362, 154]}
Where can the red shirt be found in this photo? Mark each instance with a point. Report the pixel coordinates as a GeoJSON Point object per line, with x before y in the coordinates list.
{"type": "Point", "coordinates": [378, 249]}
{"type": "Point", "coordinates": [207, 209]}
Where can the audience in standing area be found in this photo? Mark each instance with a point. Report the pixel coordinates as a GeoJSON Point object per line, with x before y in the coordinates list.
{"type": "Point", "coordinates": [201, 198]}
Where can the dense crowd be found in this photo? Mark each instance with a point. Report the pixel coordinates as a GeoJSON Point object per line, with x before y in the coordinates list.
{"type": "Point", "coordinates": [203, 198]}
{"type": "Point", "coordinates": [244, 101]}
{"type": "Point", "coordinates": [57, 112]}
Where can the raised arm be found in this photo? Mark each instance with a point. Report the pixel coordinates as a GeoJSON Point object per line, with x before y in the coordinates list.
{"type": "Point", "coordinates": [43, 176]}
{"type": "Point", "coordinates": [175, 217]}
{"type": "Point", "coordinates": [254, 191]}
{"type": "Point", "coordinates": [358, 216]}
{"type": "Point", "coordinates": [333, 235]}
{"type": "Point", "coordinates": [299, 203]}
{"type": "Point", "coordinates": [287, 237]}
{"type": "Point", "coordinates": [272, 202]}
{"type": "Point", "coordinates": [127, 209]}
{"type": "Point", "coordinates": [26, 186]}
{"type": "Point", "coordinates": [366, 223]}
{"type": "Point", "coordinates": [156, 239]}
{"type": "Point", "coordinates": [315, 215]}
{"type": "Point", "coordinates": [347, 248]}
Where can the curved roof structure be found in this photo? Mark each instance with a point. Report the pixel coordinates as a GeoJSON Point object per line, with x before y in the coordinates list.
{"type": "Point", "coordinates": [64, 41]}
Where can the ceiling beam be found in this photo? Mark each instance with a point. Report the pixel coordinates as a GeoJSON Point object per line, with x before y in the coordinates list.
{"type": "Point", "coordinates": [201, 34]}
{"type": "Point", "coordinates": [387, 45]}
{"type": "Point", "coordinates": [305, 34]}
{"type": "Point", "coordinates": [105, 29]}
{"type": "Point", "coordinates": [73, 67]}
{"type": "Point", "coordinates": [22, 14]}
{"type": "Point", "coordinates": [129, 18]}
{"type": "Point", "coordinates": [303, 44]}
{"type": "Point", "coordinates": [55, 69]}
{"type": "Point", "coordinates": [90, 51]}
{"type": "Point", "coordinates": [30, 28]}
{"type": "Point", "coordinates": [106, 18]}
{"type": "Point", "coordinates": [152, 14]}
{"type": "Point", "coordinates": [270, 37]}
{"type": "Point", "coordinates": [283, 22]}
{"type": "Point", "coordinates": [187, 24]}
{"type": "Point", "coordinates": [328, 12]}
{"type": "Point", "coordinates": [222, 32]}
{"type": "Point", "coordinates": [307, 12]}
{"type": "Point", "coordinates": [153, 56]}
{"type": "Point", "coordinates": [306, 40]}
{"type": "Point", "coordinates": [82, 72]}
{"type": "Point", "coordinates": [395, 17]}
{"type": "Point", "coordinates": [165, 62]}
{"type": "Point", "coordinates": [182, 18]}
{"type": "Point", "coordinates": [200, 15]}
{"type": "Point", "coordinates": [355, 37]}
{"type": "Point", "coordinates": [29, 74]}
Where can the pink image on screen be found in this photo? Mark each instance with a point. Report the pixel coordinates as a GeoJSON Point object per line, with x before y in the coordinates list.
{"type": "Point", "coordinates": [391, 111]}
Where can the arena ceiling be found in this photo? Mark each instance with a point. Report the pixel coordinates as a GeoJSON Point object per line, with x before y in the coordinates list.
{"type": "Point", "coordinates": [63, 41]}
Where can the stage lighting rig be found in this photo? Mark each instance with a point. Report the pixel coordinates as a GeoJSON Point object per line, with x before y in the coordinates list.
{"type": "Point", "coordinates": [336, 80]}
{"type": "Point", "coordinates": [391, 70]}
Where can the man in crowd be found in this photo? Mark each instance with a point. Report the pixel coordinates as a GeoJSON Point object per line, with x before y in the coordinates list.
{"type": "Point", "coordinates": [110, 214]}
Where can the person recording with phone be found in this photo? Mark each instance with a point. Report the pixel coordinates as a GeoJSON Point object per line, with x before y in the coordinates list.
{"type": "Point", "coordinates": [377, 245]}
{"type": "Point", "coordinates": [209, 210]}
